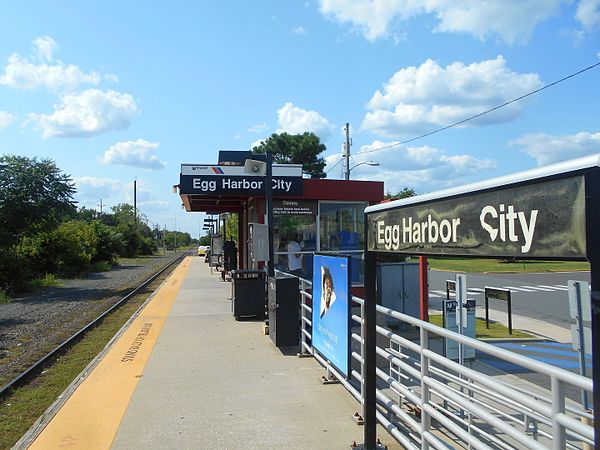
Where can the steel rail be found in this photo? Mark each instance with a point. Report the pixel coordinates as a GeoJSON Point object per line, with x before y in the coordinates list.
{"type": "Point", "coordinates": [65, 345]}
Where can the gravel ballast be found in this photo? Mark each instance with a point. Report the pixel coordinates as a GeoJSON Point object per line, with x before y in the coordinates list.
{"type": "Point", "coordinates": [33, 324]}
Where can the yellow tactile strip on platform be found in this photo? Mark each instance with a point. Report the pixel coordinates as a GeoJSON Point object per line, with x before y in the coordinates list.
{"type": "Point", "coordinates": [91, 416]}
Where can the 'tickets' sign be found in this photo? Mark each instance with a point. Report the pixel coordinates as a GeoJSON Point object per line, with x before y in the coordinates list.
{"type": "Point", "coordinates": [542, 220]}
{"type": "Point", "coordinates": [237, 185]}
{"type": "Point", "coordinates": [294, 208]}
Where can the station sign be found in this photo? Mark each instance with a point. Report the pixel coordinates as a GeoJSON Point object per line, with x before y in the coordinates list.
{"type": "Point", "coordinates": [539, 220]}
{"type": "Point", "coordinates": [248, 185]}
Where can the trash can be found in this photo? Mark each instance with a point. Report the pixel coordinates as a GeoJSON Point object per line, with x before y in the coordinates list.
{"type": "Point", "coordinates": [284, 310]}
{"type": "Point", "coordinates": [248, 294]}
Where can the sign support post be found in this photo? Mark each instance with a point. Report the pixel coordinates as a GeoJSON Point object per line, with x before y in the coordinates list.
{"type": "Point", "coordinates": [370, 426]}
{"type": "Point", "coordinates": [595, 306]}
{"type": "Point", "coordinates": [546, 213]}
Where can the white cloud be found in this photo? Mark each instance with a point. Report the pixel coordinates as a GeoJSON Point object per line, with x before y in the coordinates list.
{"type": "Point", "coordinates": [154, 205]}
{"type": "Point", "coordinates": [588, 14]}
{"type": "Point", "coordinates": [45, 46]}
{"type": "Point", "coordinates": [44, 71]}
{"type": "Point", "coordinates": [140, 153]}
{"type": "Point", "coordinates": [300, 30]}
{"type": "Point", "coordinates": [294, 120]}
{"type": "Point", "coordinates": [6, 119]}
{"type": "Point", "coordinates": [87, 113]}
{"type": "Point", "coordinates": [259, 128]}
{"type": "Point", "coordinates": [509, 20]}
{"type": "Point", "coordinates": [113, 192]}
{"type": "Point", "coordinates": [548, 149]}
{"type": "Point", "coordinates": [257, 143]}
{"type": "Point", "coordinates": [92, 189]}
{"type": "Point", "coordinates": [417, 99]}
{"type": "Point", "coordinates": [424, 169]}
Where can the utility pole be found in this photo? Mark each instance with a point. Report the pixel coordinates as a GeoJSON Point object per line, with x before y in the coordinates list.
{"type": "Point", "coordinates": [100, 206]}
{"type": "Point", "coordinates": [347, 153]}
{"type": "Point", "coordinates": [135, 203]}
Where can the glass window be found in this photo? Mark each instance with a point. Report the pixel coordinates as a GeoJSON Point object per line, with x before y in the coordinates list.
{"type": "Point", "coordinates": [342, 226]}
{"type": "Point", "coordinates": [341, 229]}
{"type": "Point", "coordinates": [294, 241]}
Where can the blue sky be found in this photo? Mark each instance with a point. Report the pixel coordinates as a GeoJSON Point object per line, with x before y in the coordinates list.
{"type": "Point", "coordinates": [115, 91]}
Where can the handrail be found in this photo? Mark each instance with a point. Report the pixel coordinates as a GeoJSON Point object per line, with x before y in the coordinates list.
{"type": "Point", "coordinates": [491, 410]}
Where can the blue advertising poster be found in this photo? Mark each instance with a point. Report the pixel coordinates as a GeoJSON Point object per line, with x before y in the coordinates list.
{"type": "Point", "coordinates": [331, 309]}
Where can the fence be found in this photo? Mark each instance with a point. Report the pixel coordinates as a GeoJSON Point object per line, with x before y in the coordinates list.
{"type": "Point", "coordinates": [425, 400]}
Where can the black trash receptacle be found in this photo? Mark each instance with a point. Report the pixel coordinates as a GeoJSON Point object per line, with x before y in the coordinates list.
{"type": "Point", "coordinates": [284, 310]}
{"type": "Point", "coordinates": [248, 293]}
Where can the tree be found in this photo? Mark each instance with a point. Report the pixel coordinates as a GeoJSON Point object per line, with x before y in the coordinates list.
{"type": "Point", "coordinates": [34, 196]}
{"type": "Point", "coordinates": [231, 228]}
{"type": "Point", "coordinates": [296, 149]}
{"type": "Point", "coordinates": [404, 193]}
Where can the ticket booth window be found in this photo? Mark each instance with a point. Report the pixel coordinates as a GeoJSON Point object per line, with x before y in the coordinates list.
{"type": "Point", "coordinates": [342, 230]}
{"type": "Point", "coordinates": [294, 242]}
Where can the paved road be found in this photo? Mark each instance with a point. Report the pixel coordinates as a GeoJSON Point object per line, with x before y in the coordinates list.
{"type": "Point", "coordinates": [542, 296]}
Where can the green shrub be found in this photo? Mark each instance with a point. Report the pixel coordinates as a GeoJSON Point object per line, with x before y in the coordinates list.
{"type": "Point", "coordinates": [148, 246]}
{"type": "Point", "coordinates": [110, 243]}
{"type": "Point", "coordinates": [16, 271]}
{"type": "Point", "coordinates": [4, 297]}
{"type": "Point", "coordinates": [67, 251]}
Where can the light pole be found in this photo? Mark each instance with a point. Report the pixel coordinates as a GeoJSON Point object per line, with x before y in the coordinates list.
{"type": "Point", "coordinates": [259, 168]}
{"type": "Point", "coordinates": [269, 199]}
{"type": "Point", "coordinates": [368, 163]}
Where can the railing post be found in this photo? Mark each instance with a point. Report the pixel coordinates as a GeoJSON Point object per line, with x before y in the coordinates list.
{"type": "Point", "coordinates": [425, 395]}
{"type": "Point", "coordinates": [363, 332]}
{"type": "Point", "coordinates": [558, 407]}
{"type": "Point", "coordinates": [302, 322]}
{"type": "Point", "coordinates": [370, 427]}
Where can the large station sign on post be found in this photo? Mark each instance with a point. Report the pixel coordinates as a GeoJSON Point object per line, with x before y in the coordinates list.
{"type": "Point", "coordinates": [547, 213]}
{"type": "Point", "coordinates": [206, 179]}
{"type": "Point", "coordinates": [540, 220]}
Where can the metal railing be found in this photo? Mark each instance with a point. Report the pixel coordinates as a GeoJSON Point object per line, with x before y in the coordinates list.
{"type": "Point", "coordinates": [425, 400]}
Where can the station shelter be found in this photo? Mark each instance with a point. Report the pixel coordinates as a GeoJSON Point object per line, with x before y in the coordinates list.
{"type": "Point", "coordinates": [322, 215]}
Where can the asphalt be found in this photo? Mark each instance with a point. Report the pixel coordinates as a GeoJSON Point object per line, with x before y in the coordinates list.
{"type": "Point", "coordinates": [208, 382]}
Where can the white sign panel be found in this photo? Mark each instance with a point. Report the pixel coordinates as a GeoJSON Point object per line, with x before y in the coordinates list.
{"type": "Point", "coordinates": [584, 292]}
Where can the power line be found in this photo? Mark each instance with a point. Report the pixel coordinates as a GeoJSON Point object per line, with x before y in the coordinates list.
{"type": "Point", "coordinates": [335, 165]}
{"type": "Point", "coordinates": [475, 116]}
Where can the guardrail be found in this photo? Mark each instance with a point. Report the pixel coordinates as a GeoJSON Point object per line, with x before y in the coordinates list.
{"type": "Point", "coordinates": [427, 400]}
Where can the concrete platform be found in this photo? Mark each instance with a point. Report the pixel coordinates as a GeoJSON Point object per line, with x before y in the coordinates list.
{"type": "Point", "coordinates": [211, 382]}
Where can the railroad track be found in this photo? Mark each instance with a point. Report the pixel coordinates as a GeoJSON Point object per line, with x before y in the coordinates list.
{"type": "Point", "coordinates": [47, 359]}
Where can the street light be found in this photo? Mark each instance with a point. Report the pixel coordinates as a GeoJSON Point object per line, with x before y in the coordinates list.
{"type": "Point", "coordinates": [368, 163]}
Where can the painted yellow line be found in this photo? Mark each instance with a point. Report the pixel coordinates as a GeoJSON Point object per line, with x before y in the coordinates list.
{"type": "Point", "coordinates": [91, 416]}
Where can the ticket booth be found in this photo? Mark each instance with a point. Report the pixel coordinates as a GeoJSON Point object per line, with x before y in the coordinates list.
{"type": "Point", "coordinates": [309, 214]}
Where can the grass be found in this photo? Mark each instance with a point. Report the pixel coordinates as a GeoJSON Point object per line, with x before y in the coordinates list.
{"type": "Point", "coordinates": [4, 297]}
{"type": "Point", "coordinates": [48, 280]}
{"type": "Point", "coordinates": [496, 330]}
{"type": "Point", "coordinates": [496, 265]}
{"type": "Point", "coordinates": [101, 266]}
{"type": "Point", "coordinates": [22, 407]}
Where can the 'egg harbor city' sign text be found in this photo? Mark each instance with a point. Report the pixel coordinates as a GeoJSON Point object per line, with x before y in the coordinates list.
{"type": "Point", "coordinates": [537, 220]}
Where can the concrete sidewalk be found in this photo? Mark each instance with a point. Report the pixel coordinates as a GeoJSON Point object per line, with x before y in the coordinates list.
{"type": "Point", "coordinates": [528, 324]}
{"type": "Point", "coordinates": [214, 383]}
